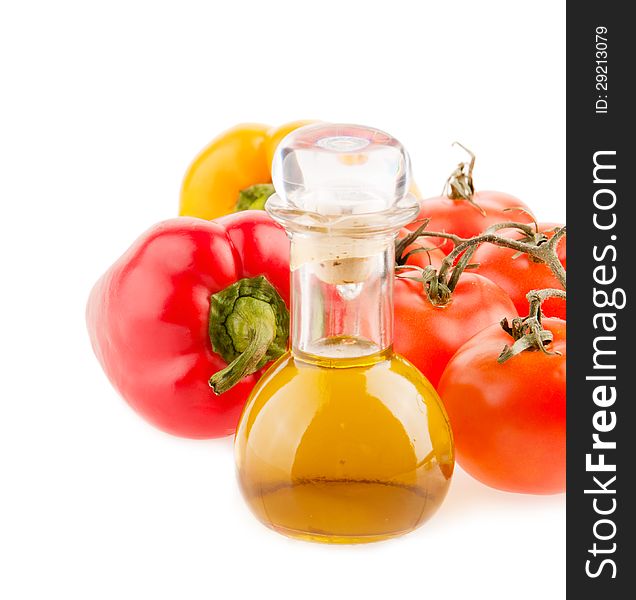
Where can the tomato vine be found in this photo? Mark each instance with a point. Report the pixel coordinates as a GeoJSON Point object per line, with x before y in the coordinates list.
{"type": "Point", "coordinates": [440, 284]}
{"type": "Point", "coordinates": [527, 332]}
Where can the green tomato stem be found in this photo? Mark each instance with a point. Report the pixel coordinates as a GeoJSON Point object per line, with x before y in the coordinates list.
{"type": "Point", "coordinates": [527, 332]}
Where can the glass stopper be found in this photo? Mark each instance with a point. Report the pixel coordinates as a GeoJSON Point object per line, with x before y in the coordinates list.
{"type": "Point", "coordinates": [335, 169]}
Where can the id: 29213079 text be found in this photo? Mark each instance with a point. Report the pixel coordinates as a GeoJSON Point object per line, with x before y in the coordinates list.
{"type": "Point", "coordinates": [601, 70]}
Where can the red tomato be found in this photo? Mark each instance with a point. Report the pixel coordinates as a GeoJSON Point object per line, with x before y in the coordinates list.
{"type": "Point", "coordinates": [464, 219]}
{"type": "Point", "coordinates": [521, 274]}
{"type": "Point", "coordinates": [508, 419]}
{"type": "Point", "coordinates": [429, 335]}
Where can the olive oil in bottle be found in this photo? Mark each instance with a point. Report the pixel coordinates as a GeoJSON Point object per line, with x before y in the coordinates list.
{"type": "Point", "coordinates": [342, 440]}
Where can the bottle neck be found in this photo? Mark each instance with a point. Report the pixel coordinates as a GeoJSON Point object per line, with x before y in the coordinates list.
{"type": "Point", "coordinates": [341, 296]}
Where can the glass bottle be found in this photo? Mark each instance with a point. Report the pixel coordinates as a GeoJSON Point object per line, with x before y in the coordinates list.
{"type": "Point", "coordinates": [342, 440]}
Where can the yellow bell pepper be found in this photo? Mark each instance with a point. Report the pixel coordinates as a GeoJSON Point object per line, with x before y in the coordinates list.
{"type": "Point", "coordinates": [234, 171]}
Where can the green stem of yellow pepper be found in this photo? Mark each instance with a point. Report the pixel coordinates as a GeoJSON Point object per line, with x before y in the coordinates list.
{"type": "Point", "coordinates": [254, 197]}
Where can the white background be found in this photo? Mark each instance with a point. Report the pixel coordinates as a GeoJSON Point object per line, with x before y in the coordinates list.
{"type": "Point", "coordinates": [102, 107]}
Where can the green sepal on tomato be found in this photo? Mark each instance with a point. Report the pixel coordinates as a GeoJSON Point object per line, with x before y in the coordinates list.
{"type": "Point", "coordinates": [428, 334]}
{"type": "Point", "coordinates": [187, 298]}
{"type": "Point", "coordinates": [417, 251]}
{"type": "Point", "coordinates": [436, 313]}
{"type": "Point", "coordinates": [508, 418]}
{"type": "Point", "coordinates": [465, 212]}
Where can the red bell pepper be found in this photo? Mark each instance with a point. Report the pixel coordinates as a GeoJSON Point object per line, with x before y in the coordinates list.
{"type": "Point", "coordinates": [187, 298]}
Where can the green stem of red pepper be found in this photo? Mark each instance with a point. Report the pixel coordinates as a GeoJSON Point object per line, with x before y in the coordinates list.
{"type": "Point", "coordinates": [248, 327]}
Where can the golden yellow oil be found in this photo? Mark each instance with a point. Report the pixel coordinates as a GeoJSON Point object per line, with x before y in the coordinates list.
{"type": "Point", "coordinates": [347, 451]}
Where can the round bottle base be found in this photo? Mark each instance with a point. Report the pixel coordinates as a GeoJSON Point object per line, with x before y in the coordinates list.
{"type": "Point", "coordinates": [350, 455]}
{"type": "Point", "coordinates": [332, 539]}
{"type": "Point", "coordinates": [347, 511]}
